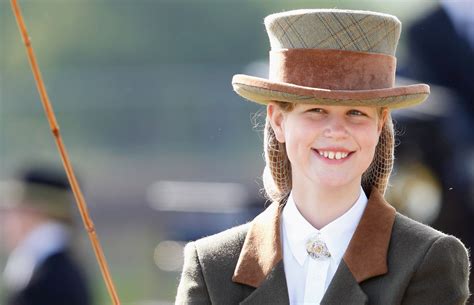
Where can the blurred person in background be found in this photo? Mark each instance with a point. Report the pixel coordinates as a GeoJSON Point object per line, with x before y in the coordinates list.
{"type": "Point", "coordinates": [441, 53]}
{"type": "Point", "coordinates": [36, 227]}
{"type": "Point", "coordinates": [441, 46]}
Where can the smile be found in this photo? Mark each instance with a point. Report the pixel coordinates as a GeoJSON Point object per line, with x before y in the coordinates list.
{"type": "Point", "coordinates": [333, 155]}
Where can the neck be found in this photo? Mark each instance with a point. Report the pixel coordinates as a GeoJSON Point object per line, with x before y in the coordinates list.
{"type": "Point", "coordinates": [322, 205]}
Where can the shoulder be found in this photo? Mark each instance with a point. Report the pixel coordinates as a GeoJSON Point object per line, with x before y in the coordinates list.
{"type": "Point", "coordinates": [416, 235]}
{"type": "Point", "coordinates": [415, 244]}
{"type": "Point", "coordinates": [58, 279]}
{"type": "Point", "coordinates": [209, 265]}
{"type": "Point", "coordinates": [433, 262]}
{"type": "Point", "coordinates": [215, 257]}
{"type": "Point", "coordinates": [224, 246]}
{"type": "Point", "coordinates": [210, 262]}
{"type": "Point", "coordinates": [63, 270]}
{"type": "Point", "coordinates": [414, 229]}
{"type": "Point", "coordinates": [64, 263]}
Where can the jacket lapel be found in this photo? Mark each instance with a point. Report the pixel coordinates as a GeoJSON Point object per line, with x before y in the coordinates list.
{"type": "Point", "coordinates": [261, 251]}
{"type": "Point", "coordinates": [272, 290]}
{"type": "Point", "coordinates": [260, 263]}
{"type": "Point", "coordinates": [344, 289]}
{"type": "Point", "coordinates": [366, 255]}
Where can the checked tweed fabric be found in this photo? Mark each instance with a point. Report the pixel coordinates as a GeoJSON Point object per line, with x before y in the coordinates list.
{"type": "Point", "coordinates": [327, 29]}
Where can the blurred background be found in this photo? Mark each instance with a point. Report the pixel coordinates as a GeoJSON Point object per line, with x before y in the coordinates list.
{"type": "Point", "coordinates": [167, 153]}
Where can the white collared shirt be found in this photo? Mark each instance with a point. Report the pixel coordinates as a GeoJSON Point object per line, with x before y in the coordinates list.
{"type": "Point", "coordinates": [307, 279]}
{"type": "Point", "coordinates": [45, 240]}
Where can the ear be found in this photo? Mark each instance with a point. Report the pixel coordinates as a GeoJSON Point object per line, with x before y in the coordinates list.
{"type": "Point", "coordinates": [277, 120]}
{"type": "Point", "coordinates": [383, 118]}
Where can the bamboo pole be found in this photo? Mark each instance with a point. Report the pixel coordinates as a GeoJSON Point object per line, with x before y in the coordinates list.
{"type": "Point", "coordinates": [81, 204]}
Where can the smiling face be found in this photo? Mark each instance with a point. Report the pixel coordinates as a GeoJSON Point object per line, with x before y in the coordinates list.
{"type": "Point", "coordinates": [328, 146]}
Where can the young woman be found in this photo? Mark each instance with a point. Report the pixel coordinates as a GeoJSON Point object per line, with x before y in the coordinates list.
{"type": "Point", "coordinates": [329, 237]}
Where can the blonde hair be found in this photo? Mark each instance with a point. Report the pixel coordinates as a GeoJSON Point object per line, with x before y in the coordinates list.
{"type": "Point", "coordinates": [277, 172]}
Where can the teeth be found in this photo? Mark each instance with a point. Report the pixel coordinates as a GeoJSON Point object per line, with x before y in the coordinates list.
{"type": "Point", "coordinates": [333, 155]}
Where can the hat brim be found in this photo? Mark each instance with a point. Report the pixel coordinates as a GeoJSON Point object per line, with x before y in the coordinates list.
{"type": "Point", "coordinates": [264, 91]}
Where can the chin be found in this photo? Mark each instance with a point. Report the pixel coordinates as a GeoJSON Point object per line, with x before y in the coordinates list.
{"type": "Point", "coordinates": [334, 184]}
{"type": "Point", "coordinates": [335, 181]}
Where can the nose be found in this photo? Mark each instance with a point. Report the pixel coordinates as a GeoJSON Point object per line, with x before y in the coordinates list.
{"type": "Point", "coordinates": [335, 129]}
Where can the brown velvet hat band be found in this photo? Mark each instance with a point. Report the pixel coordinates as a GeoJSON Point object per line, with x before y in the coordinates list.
{"type": "Point", "coordinates": [333, 69]}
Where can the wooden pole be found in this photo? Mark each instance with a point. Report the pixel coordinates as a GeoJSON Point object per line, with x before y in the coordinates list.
{"type": "Point", "coordinates": [81, 204]}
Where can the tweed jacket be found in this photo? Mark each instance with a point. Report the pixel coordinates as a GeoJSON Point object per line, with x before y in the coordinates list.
{"type": "Point", "coordinates": [390, 260]}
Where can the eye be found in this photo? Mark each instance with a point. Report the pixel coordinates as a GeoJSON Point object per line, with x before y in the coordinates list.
{"type": "Point", "coordinates": [316, 110]}
{"type": "Point", "coordinates": [356, 112]}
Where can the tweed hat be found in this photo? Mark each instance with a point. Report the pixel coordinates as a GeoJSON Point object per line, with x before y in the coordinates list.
{"type": "Point", "coordinates": [331, 57]}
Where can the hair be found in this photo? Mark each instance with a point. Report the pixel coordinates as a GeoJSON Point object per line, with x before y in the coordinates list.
{"type": "Point", "coordinates": [277, 180]}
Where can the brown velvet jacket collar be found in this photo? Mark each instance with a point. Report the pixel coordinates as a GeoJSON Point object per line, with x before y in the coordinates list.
{"type": "Point", "coordinates": [365, 257]}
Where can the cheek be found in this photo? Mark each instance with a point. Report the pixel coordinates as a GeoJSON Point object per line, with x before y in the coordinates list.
{"type": "Point", "coordinates": [368, 139]}
{"type": "Point", "coordinates": [300, 135]}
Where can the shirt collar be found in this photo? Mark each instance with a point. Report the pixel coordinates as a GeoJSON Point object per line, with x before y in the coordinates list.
{"type": "Point", "coordinates": [337, 234]}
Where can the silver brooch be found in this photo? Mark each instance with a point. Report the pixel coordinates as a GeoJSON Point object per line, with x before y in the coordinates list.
{"type": "Point", "coordinates": [317, 248]}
